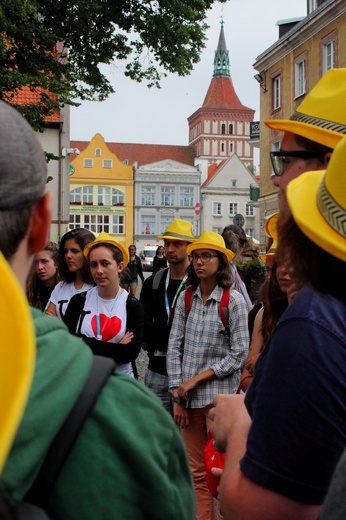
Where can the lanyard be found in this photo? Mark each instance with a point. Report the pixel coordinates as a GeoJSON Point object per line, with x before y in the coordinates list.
{"type": "Point", "coordinates": [168, 308]}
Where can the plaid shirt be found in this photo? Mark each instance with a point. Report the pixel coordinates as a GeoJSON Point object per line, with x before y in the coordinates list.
{"type": "Point", "coordinates": [197, 344]}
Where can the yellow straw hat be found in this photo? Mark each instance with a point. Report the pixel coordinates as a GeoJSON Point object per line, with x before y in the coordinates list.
{"type": "Point", "coordinates": [178, 229]}
{"type": "Point", "coordinates": [321, 116]}
{"type": "Point", "coordinates": [210, 240]}
{"type": "Point", "coordinates": [270, 227]}
{"type": "Point", "coordinates": [17, 357]}
{"type": "Point", "coordinates": [318, 204]}
{"type": "Point", "coordinates": [105, 238]}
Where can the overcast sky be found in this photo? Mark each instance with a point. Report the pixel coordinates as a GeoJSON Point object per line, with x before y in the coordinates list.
{"type": "Point", "coordinates": [136, 114]}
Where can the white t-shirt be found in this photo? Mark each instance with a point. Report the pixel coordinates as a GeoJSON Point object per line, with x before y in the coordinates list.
{"type": "Point", "coordinates": [62, 294]}
{"type": "Point", "coordinates": [105, 320]}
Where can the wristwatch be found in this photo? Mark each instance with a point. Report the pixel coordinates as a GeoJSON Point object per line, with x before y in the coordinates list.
{"type": "Point", "coordinates": [177, 400]}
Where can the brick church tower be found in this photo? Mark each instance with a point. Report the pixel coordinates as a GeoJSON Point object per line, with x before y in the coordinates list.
{"type": "Point", "coordinates": [221, 126]}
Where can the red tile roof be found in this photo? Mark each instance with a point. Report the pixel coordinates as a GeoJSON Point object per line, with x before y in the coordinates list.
{"type": "Point", "coordinates": [25, 96]}
{"type": "Point", "coordinates": [221, 94]}
{"type": "Point", "coordinates": [145, 153]}
{"type": "Point", "coordinates": [212, 171]}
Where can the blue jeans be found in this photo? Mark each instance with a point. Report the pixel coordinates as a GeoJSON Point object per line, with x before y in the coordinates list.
{"type": "Point", "coordinates": [159, 385]}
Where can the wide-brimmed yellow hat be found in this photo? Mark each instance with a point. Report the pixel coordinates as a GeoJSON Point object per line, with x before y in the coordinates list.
{"type": "Point", "coordinates": [270, 227]}
{"type": "Point", "coordinates": [178, 229]}
{"type": "Point", "coordinates": [318, 204]}
{"type": "Point", "coordinates": [17, 357]}
{"type": "Point", "coordinates": [321, 117]}
{"type": "Point", "coordinates": [105, 238]}
{"type": "Point", "coordinates": [210, 240]}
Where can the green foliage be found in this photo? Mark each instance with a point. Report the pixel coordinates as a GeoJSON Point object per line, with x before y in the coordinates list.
{"type": "Point", "coordinates": [256, 269]}
{"type": "Point", "coordinates": [57, 46]}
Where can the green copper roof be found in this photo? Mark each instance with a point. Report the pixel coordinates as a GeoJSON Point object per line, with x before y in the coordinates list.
{"type": "Point", "coordinates": [221, 60]}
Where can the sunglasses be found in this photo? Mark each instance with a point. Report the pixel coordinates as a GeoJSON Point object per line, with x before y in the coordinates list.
{"type": "Point", "coordinates": [280, 161]}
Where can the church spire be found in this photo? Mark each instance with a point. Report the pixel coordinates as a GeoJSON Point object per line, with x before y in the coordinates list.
{"type": "Point", "coordinates": [221, 60]}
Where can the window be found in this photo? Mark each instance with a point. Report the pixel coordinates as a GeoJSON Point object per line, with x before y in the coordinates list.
{"type": "Point", "coordinates": [217, 209]}
{"type": "Point", "coordinates": [230, 129]}
{"type": "Point", "coordinates": [118, 224]}
{"type": "Point", "coordinates": [167, 196]}
{"type": "Point", "coordinates": [75, 222]}
{"type": "Point", "coordinates": [328, 55]}
{"type": "Point", "coordinates": [249, 210]}
{"type": "Point", "coordinates": [234, 183]}
{"type": "Point", "coordinates": [312, 5]}
{"type": "Point", "coordinates": [186, 197]}
{"type": "Point", "coordinates": [300, 81]}
{"type": "Point", "coordinates": [97, 223]}
{"type": "Point", "coordinates": [233, 209]}
{"type": "Point", "coordinates": [276, 93]}
{"type": "Point", "coordinates": [103, 195]}
{"type": "Point", "coordinates": [87, 194]}
{"type": "Point", "coordinates": [148, 195]}
{"type": "Point", "coordinates": [250, 232]}
{"type": "Point", "coordinates": [231, 147]}
{"type": "Point", "coordinates": [222, 147]}
{"type": "Point", "coordinates": [118, 198]}
{"type": "Point", "coordinates": [98, 152]}
{"type": "Point", "coordinates": [76, 195]}
{"type": "Point", "coordinates": [147, 224]}
{"type": "Point", "coordinates": [88, 163]}
{"type": "Point", "coordinates": [223, 128]}
{"type": "Point", "coordinates": [107, 163]}
{"type": "Point", "coordinates": [164, 222]}
{"type": "Point", "coordinates": [217, 230]}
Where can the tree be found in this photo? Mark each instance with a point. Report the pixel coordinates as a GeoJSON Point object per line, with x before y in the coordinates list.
{"type": "Point", "coordinates": [54, 48]}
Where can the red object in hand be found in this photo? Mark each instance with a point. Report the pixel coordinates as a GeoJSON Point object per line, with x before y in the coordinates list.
{"type": "Point", "coordinates": [212, 459]}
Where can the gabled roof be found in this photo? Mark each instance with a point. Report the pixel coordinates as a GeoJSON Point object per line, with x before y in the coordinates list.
{"type": "Point", "coordinates": [145, 153]}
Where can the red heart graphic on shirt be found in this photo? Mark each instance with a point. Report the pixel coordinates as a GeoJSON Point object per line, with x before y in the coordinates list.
{"type": "Point", "coordinates": [109, 327]}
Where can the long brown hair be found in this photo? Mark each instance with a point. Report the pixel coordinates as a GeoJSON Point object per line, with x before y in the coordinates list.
{"type": "Point", "coordinates": [34, 284]}
{"type": "Point", "coordinates": [224, 276]}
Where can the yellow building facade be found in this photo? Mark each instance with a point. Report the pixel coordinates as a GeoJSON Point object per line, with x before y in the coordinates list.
{"type": "Point", "coordinates": [289, 69]}
{"type": "Point", "coordinates": [101, 192]}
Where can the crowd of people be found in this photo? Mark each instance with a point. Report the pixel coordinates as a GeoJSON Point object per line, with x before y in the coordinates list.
{"type": "Point", "coordinates": [267, 379]}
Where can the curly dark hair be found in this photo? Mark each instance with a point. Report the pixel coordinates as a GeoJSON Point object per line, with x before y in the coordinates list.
{"type": "Point", "coordinates": [224, 277]}
{"type": "Point", "coordinates": [82, 237]}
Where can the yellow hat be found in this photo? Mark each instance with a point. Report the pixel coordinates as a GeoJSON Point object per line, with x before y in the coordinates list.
{"type": "Point", "coordinates": [318, 204]}
{"type": "Point", "coordinates": [271, 251]}
{"type": "Point", "coordinates": [270, 226]}
{"type": "Point", "coordinates": [17, 357]}
{"type": "Point", "coordinates": [210, 240]}
{"type": "Point", "coordinates": [178, 229]}
{"type": "Point", "coordinates": [105, 238]}
{"type": "Point", "coordinates": [321, 116]}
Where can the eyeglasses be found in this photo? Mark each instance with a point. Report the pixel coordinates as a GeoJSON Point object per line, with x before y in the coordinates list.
{"type": "Point", "coordinates": [204, 257]}
{"type": "Point", "coordinates": [280, 162]}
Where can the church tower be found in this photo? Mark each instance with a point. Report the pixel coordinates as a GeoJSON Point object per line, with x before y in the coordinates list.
{"type": "Point", "coordinates": [221, 126]}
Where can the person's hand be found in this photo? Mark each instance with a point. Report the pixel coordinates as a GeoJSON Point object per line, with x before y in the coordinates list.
{"type": "Point", "coordinates": [184, 388]}
{"type": "Point", "coordinates": [127, 338]}
{"type": "Point", "coordinates": [228, 415]}
{"type": "Point", "coordinates": [250, 364]}
{"type": "Point", "coordinates": [180, 415]}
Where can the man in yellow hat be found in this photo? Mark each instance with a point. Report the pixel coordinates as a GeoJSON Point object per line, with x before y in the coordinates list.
{"type": "Point", "coordinates": [311, 133]}
{"type": "Point", "coordinates": [159, 296]}
{"type": "Point", "coordinates": [119, 465]}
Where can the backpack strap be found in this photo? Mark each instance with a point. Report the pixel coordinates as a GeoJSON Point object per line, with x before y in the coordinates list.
{"type": "Point", "coordinates": [223, 309]}
{"type": "Point", "coordinates": [188, 298]}
{"type": "Point", "coordinates": [39, 493]}
{"type": "Point", "coordinates": [157, 278]}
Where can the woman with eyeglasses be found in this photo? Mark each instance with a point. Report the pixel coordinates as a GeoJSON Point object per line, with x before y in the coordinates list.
{"type": "Point", "coordinates": [207, 348]}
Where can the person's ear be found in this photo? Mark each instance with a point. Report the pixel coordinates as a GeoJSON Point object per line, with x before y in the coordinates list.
{"type": "Point", "coordinates": [327, 158]}
{"type": "Point", "coordinates": [121, 267]}
{"type": "Point", "coordinates": [40, 223]}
